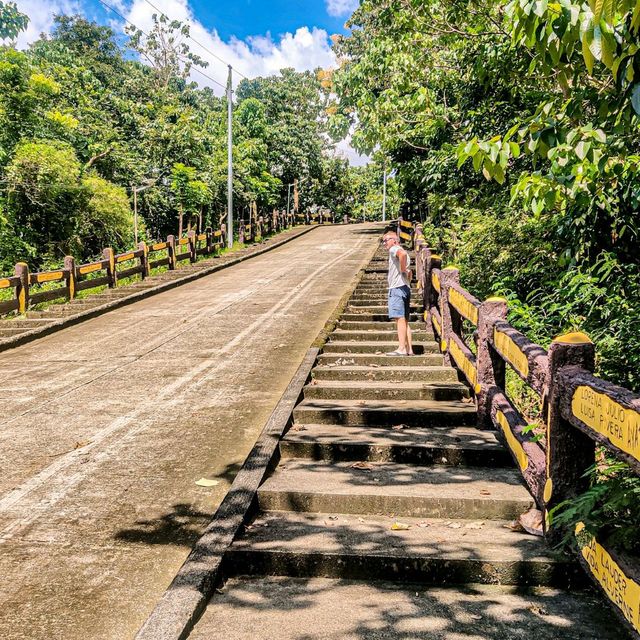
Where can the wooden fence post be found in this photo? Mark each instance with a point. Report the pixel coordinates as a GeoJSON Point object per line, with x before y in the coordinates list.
{"type": "Point", "coordinates": [569, 451]}
{"type": "Point", "coordinates": [432, 261]}
{"type": "Point", "coordinates": [171, 251]}
{"type": "Point", "coordinates": [193, 249]}
{"type": "Point", "coordinates": [110, 257]}
{"type": "Point", "coordinates": [451, 322]}
{"type": "Point", "coordinates": [70, 268]}
{"type": "Point", "coordinates": [22, 289]}
{"type": "Point", "coordinates": [490, 366]}
{"type": "Point", "coordinates": [209, 233]}
{"type": "Point", "coordinates": [144, 259]}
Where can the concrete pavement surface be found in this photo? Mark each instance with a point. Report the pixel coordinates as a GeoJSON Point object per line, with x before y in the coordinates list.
{"type": "Point", "coordinates": [107, 426]}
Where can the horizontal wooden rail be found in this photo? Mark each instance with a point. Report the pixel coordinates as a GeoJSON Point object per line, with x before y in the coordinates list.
{"type": "Point", "coordinates": [581, 410]}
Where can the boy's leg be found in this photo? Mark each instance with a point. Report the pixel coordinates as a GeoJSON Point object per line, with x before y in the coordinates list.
{"type": "Point", "coordinates": [402, 326]}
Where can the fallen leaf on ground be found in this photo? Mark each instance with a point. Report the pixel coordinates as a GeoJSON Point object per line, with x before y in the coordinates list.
{"type": "Point", "coordinates": [333, 517]}
{"type": "Point", "coordinates": [82, 443]}
{"type": "Point", "coordinates": [474, 525]}
{"type": "Point", "coordinates": [484, 492]}
{"type": "Point", "coordinates": [514, 525]}
{"type": "Point", "coordinates": [206, 482]}
{"type": "Point", "coordinates": [399, 427]}
{"type": "Point", "coordinates": [531, 522]}
{"type": "Point", "coordinates": [423, 525]}
{"type": "Point", "coordinates": [455, 525]}
{"type": "Point", "coordinates": [534, 608]}
{"type": "Point", "coordinates": [475, 616]}
{"type": "Point", "coordinates": [400, 526]}
{"type": "Point", "coordinates": [467, 400]}
{"type": "Point", "coordinates": [362, 466]}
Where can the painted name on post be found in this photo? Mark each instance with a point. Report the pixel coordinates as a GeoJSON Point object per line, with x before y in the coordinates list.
{"type": "Point", "coordinates": [620, 589]}
{"type": "Point", "coordinates": [619, 425]}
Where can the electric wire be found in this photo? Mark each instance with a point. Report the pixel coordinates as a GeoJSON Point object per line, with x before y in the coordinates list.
{"type": "Point", "coordinates": [215, 55]}
{"type": "Point", "coordinates": [194, 67]}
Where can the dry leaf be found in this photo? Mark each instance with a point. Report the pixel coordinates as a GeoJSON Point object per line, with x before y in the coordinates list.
{"type": "Point", "coordinates": [474, 525]}
{"type": "Point", "coordinates": [514, 525]}
{"type": "Point", "coordinates": [423, 525]}
{"type": "Point", "coordinates": [400, 526]}
{"type": "Point", "coordinates": [467, 400]}
{"type": "Point", "coordinates": [399, 427]}
{"type": "Point", "coordinates": [206, 482]}
{"type": "Point", "coordinates": [484, 492]}
{"type": "Point", "coordinates": [362, 466]}
{"type": "Point", "coordinates": [534, 608]}
{"type": "Point", "coordinates": [82, 443]}
{"type": "Point", "coordinates": [531, 522]}
{"type": "Point", "coordinates": [333, 517]}
{"type": "Point", "coordinates": [455, 525]}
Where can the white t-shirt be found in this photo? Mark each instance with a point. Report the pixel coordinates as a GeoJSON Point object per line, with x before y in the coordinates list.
{"type": "Point", "coordinates": [395, 277]}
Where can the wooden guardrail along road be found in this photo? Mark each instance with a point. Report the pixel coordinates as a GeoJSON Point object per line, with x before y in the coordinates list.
{"type": "Point", "coordinates": [391, 486]}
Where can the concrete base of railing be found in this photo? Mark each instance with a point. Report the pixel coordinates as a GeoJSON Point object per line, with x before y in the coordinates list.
{"type": "Point", "coordinates": [39, 332]}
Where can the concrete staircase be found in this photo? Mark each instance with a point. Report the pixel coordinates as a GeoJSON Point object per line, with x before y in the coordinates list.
{"type": "Point", "coordinates": [386, 492]}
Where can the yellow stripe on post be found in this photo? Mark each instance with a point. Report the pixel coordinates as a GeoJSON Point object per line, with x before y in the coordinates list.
{"type": "Point", "coordinates": [4, 283]}
{"type": "Point", "coordinates": [464, 363]}
{"type": "Point", "coordinates": [512, 352]}
{"type": "Point", "coordinates": [512, 441]}
{"type": "Point", "coordinates": [435, 281]}
{"type": "Point", "coordinates": [463, 306]}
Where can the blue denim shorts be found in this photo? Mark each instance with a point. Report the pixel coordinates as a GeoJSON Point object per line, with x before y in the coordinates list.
{"type": "Point", "coordinates": [399, 302]}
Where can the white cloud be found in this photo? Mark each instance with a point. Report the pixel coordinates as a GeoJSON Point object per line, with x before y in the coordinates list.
{"type": "Point", "coordinates": [338, 8]}
{"type": "Point", "coordinates": [344, 149]}
{"type": "Point", "coordinates": [258, 55]}
{"type": "Point", "coordinates": [41, 13]}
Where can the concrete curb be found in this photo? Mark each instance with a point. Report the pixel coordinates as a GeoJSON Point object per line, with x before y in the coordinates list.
{"type": "Point", "coordinates": [186, 598]}
{"type": "Point", "coordinates": [183, 603]}
{"type": "Point", "coordinates": [39, 332]}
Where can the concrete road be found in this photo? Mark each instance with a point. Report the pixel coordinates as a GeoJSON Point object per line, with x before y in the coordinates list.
{"type": "Point", "coordinates": [107, 426]}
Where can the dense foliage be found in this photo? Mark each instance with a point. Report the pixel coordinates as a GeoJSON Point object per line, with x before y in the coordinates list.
{"type": "Point", "coordinates": [514, 129]}
{"type": "Point", "coordinates": [83, 122]}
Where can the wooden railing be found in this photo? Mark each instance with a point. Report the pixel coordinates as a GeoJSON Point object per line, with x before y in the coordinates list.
{"type": "Point", "coordinates": [580, 409]}
{"type": "Point", "coordinates": [30, 289]}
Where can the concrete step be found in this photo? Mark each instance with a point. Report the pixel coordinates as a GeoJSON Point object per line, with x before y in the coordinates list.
{"type": "Point", "coordinates": [388, 373]}
{"type": "Point", "coordinates": [369, 359]}
{"type": "Point", "coordinates": [416, 413]}
{"type": "Point", "coordinates": [379, 309]}
{"type": "Point", "coordinates": [374, 317]}
{"type": "Point", "coordinates": [389, 325]}
{"type": "Point", "coordinates": [438, 551]}
{"type": "Point", "coordinates": [377, 348]}
{"type": "Point", "coordinates": [457, 446]}
{"type": "Point", "coordinates": [377, 335]}
{"type": "Point", "coordinates": [6, 332]}
{"type": "Point", "coordinates": [369, 303]}
{"type": "Point", "coordinates": [334, 609]}
{"type": "Point", "coordinates": [395, 489]}
{"type": "Point", "coordinates": [384, 390]}
{"type": "Point", "coordinates": [26, 323]}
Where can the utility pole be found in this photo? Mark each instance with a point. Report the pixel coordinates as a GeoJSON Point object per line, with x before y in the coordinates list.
{"type": "Point", "coordinates": [230, 159]}
{"type": "Point", "coordinates": [384, 195]}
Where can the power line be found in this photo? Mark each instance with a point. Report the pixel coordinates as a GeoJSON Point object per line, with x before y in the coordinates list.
{"type": "Point", "coordinates": [194, 67]}
{"type": "Point", "coordinates": [215, 55]}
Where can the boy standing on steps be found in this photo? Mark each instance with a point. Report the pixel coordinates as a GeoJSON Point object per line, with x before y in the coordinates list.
{"type": "Point", "coordinates": [399, 279]}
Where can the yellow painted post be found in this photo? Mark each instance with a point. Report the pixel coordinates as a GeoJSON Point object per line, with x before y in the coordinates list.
{"type": "Point", "coordinates": [144, 259]}
{"type": "Point", "coordinates": [171, 250]}
{"type": "Point", "coordinates": [110, 257]}
{"type": "Point", "coordinates": [569, 451]}
{"type": "Point", "coordinates": [193, 250]}
{"type": "Point", "coordinates": [70, 268]}
{"type": "Point", "coordinates": [491, 367]}
{"type": "Point", "coordinates": [22, 288]}
{"type": "Point", "coordinates": [451, 322]}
